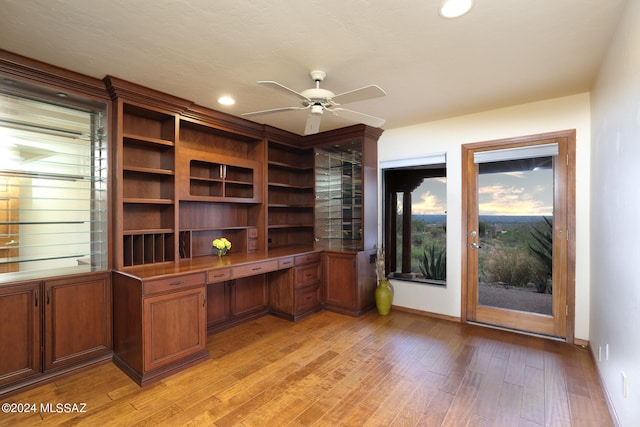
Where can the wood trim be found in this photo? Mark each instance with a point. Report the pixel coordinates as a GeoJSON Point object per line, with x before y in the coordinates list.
{"type": "Point", "coordinates": [427, 313]}
{"type": "Point", "coordinates": [33, 71]}
{"type": "Point", "coordinates": [225, 122]}
{"type": "Point", "coordinates": [283, 137]}
{"type": "Point", "coordinates": [343, 134]}
{"type": "Point", "coordinates": [119, 88]}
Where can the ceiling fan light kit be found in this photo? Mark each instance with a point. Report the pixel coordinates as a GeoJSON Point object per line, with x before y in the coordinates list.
{"type": "Point", "coordinates": [317, 100]}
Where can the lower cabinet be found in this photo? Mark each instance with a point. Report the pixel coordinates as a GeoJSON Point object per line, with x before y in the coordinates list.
{"type": "Point", "coordinates": [349, 281]}
{"type": "Point", "coordinates": [233, 301]}
{"type": "Point", "coordinates": [159, 325]}
{"type": "Point", "coordinates": [296, 293]}
{"type": "Point", "coordinates": [20, 332]}
{"type": "Point", "coordinates": [77, 321]}
{"type": "Point", "coordinates": [52, 327]}
{"type": "Point", "coordinates": [173, 327]}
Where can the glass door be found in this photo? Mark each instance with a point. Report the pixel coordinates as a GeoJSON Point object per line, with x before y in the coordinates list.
{"type": "Point", "coordinates": [516, 254]}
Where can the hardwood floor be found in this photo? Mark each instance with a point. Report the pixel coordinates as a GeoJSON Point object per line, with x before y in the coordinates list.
{"type": "Point", "coordinates": [330, 369]}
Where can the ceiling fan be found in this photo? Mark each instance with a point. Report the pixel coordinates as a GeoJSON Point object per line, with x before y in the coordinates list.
{"type": "Point", "coordinates": [318, 100]}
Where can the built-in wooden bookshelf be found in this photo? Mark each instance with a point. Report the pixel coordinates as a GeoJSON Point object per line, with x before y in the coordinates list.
{"type": "Point", "coordinates": [290, 195]}
{"type": "Point", "coordinates": [148, 185]}
{"type": "Point", "coordinates": [220, 176]}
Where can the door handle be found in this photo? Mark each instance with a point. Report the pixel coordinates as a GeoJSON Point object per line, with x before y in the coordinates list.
{"type": "Point", "coordinates": [474, 245]}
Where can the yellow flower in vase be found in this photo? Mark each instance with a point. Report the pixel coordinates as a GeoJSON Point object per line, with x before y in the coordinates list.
{"type": "Point", "coordinates": [222, 245]}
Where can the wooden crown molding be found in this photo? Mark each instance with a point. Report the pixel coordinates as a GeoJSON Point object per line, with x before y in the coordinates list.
{"type": "Point", "coordinates": [21, 68]}
{"type": "Point", "coordinates": [119, 88]}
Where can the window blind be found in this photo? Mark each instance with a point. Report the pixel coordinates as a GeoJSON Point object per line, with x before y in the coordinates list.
{"type": "Point", "coordinates": [517, 153]}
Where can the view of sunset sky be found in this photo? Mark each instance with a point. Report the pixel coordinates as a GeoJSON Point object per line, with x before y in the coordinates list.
{"type": "Point", "coordinates": [508, 193]}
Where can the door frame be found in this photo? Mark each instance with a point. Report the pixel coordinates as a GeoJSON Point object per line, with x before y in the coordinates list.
{"type": "Point", "coordinates": [570, 183]}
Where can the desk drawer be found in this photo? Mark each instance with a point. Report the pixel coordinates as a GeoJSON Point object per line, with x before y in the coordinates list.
{"type": "Point", "coordinates": [255, 268]}
{"type": "Point", "coordinates": [172, 283]}
{"type": "Point", "coordinates": [307, 275]}
{"type": "Point", "coordinates": [308, 258]}
{"type": "Point", "coordinates": [307, 299]}
{"type": "Point", "coordinates": [218, 275]}
{"type": "Point", "coordinates": [285, 263]}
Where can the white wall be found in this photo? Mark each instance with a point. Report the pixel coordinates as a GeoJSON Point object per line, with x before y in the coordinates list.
{"type": "Point", "coordinates": [448, 136]}
{"type": "Point", "coordinates": [615, 211]}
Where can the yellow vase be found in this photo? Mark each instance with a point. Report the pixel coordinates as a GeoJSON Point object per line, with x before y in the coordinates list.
{"type": "Point", "coordinates": [384, 297]}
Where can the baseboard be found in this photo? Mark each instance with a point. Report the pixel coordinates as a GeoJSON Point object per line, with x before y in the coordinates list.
{"type": "Point", "coordinates": [603, 386]}
{"type": "Point", "coordinates": [426, 313]}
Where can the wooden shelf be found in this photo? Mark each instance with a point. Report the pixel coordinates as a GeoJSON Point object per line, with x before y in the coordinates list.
{"type": "Point", "coordinates": [145, 140]}
{"type": "Point", "coordinates": [142, 200]}
{"type": "Point", "coordinates": [295, 167]}
{"type": "Point", "coordinates": [290, 193]}
{"type": "Point", "coordinates": [143, 169]}
{"type": "Point", "coordinates": [293, 186]}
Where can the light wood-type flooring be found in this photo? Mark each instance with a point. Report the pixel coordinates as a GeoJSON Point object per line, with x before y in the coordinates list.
{"type": "Point", "coordinates": [329, 370]}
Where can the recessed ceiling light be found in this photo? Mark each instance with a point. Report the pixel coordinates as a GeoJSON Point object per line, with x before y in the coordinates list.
{"type": "Point", "coordinates": [226, 100]}
{"type": "Point", "coordinates": [455, 8]}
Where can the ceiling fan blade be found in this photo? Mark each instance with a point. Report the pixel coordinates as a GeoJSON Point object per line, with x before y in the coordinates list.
{"type": "Point", "coordinates": [313, 124]}
{"type": "Point", "coordinates": [367, 92]}
{"type": "Point", "coordinates": [281, 88]}
{"type": "Point", "coordinates": [357, 117]}
{"type": "Point", "coordinates": [273, 110]}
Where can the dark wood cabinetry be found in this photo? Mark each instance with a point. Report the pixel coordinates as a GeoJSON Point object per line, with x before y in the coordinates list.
{"type": "Point", "coordinates": [346, 214]}
{"type": "Point", "coordinates": [173, 327]}
{"type": "Point", "coordinates": [77, 319]}
{"type": "Point", "coordinates": [52, 327]}
{"type": "Point", "coordinates": [181, 176]}
{"type": "Point", "coordinates": [146, 215]}
{"type": "Point", "coordinates": [20, 331]}
{"type": "Point", "coordinates": [159, 324]}
{"type": "Point", "coordinates": [55, 289]}
{"type": "Point", "coordinates": [349, 281]}
{"type": "Point", "coordinates": [235, 301]}
{"type": "Point", "coordinates": [187, 175]}
{"type": "Point", "coordinates": [290, 195]}
{"type": "Point", "coordinates": [296, 293]}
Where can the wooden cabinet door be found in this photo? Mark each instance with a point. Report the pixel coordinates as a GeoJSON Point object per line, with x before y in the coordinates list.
{"type": "Point", "coordinates": [340, 280]}
{"type": "Point", "coordinates": [77, 318]}
{"type": "Point", "coordinates": [20, 331]}
{"type": "Point", "coordinates": [174, 326]}
{"type": "Point", "coordinates": [249, 295]}
{"type": "Point", "coordinates": [218, 303]}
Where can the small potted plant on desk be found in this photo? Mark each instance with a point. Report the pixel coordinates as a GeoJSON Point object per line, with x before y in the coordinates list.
{"type": "Point", "coordinates": [222, 245]}
{"type": "Point", "coordinates": [384, 290]}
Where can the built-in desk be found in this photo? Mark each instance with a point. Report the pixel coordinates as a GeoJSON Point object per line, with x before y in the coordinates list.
{"type": "Point", "coordinates": [164, 312]}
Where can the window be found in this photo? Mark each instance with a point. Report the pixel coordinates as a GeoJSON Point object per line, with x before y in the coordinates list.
{"type": "Point", "coordinates": [415, 222]}
{"type": "Point", "coordinates": [53, 181]}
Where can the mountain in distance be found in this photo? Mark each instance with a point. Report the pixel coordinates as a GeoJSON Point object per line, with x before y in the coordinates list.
{"type": "Point", "coordinates": [491, 219]}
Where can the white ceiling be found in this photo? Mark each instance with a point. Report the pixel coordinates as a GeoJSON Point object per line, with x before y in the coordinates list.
{"type": "Point", "coordinates": [504, 52]}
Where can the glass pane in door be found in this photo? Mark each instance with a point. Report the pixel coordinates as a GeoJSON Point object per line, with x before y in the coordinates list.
{"type": "Point", "coordinates": [515, 230]}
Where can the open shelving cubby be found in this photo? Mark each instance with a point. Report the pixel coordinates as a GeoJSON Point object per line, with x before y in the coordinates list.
{"type": "Point", "coordinates": [290, 195]}
{"type": "Point", "coordinates": [219, 188]}
{"type": "Point", "coordinates": [202, 222]}
{"type": "Point", "coordinates": [148, 185]}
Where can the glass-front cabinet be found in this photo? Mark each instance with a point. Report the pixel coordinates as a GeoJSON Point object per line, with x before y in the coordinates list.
{"type": "Point", "coordinates": [338, 213]}
{"type": "Point", "coordinates": [53, 180]}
